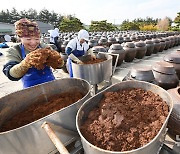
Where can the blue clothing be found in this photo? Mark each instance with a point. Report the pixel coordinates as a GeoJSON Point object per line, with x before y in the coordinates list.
{"type": "Point", "coordinates": [77, 53]}
{"type": "Point", "coordinates": [4, 45]}
{"type": "Point", "coordinates": [35, 76]}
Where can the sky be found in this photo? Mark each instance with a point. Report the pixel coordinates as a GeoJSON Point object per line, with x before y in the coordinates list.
{"type": "Point", "coordinates": [114, 11]}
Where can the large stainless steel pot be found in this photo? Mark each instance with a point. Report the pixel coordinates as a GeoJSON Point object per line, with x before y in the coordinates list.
{"type": "Point", "coordinates": [94, 73]}
{"type": "Point", "coordinates": [152, 147]}
{"type": "Point", "coordinates": [31, 138]}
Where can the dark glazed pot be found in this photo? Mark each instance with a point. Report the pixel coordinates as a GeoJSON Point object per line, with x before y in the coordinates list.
{"type": "Point", "coordinates": [163, 44]}
{"type": "Point", "coordinates": [141, 74]}
{"type": "Point", "coordinates": [165, 75]}
{"type": "Point", "coordinates": [127, 39]}
{"type": "Point", "coordinates": [157, 45]}
{"type": "Point", "coordinates": [97, 49]}
{"type": "Point", "coordinates": [168, 42]}
{"type": "Point", "coordinates": [130, 49]}
{"type": "Point", "coordinates": [119, 39]}
{"type": "Point", "coordinates": [174, 59]}
{"type": "Point", "coordinates": [150, 47]}
{"type": "Point", "coordinates": [174, 119]}
{"type": "Point", "coordinates": [172, 39]}
{"type": "Point", "coordinates": [92, 43]}
{"type": "Point", "coordinates": [102, 42]}
{"type": "Point", "coordinates": [117, 49]}
{"type": "Point", "coordinates": [141, 49]}
{"type": "Point", "coordinates": [111, 40]}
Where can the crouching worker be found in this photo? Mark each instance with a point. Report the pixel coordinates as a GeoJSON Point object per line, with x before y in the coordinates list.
{"type": "Point", "coordinates": [30, 60]}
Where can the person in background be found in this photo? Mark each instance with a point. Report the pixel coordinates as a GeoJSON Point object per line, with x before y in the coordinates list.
{"type": "Point", "coordinates": [6, 38]}
{"type": "Point", "coordinates": [20, 56]}
{"type": "Point", "coordinates": [77, 47]}
{"type": "Point", "coordinates": [54, 36]}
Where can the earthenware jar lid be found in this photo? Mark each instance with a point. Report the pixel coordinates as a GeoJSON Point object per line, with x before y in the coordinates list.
{"type": "Point", "coordinates": [93, 41]}
{"type": "Point", "coordinates": [115, 47]}
{"type": "Point", "coordinates": [111, 39]}
{"type": "Point", "coordinates": [156, 40]}
{"type": "Point", "coordinates": [140, 44]}
{"type": "Point", "coordinates": [172, 58]}
{"type": "Point", "coordinates": [148, 42]}
{"type": "Point", "coordinates": [129, 45]}
{"type": "Point", "coordinates": [103, 40]}
{"type": "Point", "coordinates": [164, 67]}
{"type": "Point", "coordinates": [99, 49]}
{"type": "Point", "coordinates": [162, 40]}
{"type": "Point", "coordinates": [142, 73]}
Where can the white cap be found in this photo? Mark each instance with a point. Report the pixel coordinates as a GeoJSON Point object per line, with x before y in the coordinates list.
{"type": "Point", "coordinates": [56, 29]}
{"type": "Point", "coordinates": [7, 38]}
{"type": "Point", "coordinates": [83, 34]}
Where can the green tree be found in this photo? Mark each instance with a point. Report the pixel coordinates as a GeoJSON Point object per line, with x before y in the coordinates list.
{"type": "Point", "coordinates": [102, 26]}
{"type": "Point", "coordinates": [127, 25]}
{"type": "Point", "coordinates": [14, 15]}
{"type": "Point", "coordinates": [177, 22]}
{"type": "Point", "coordinates": [44, 16]}
{"type": "Point", "coordinates": [70, 24]}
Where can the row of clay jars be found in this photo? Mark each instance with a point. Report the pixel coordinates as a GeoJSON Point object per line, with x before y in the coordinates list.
{"type": "Point", "coordinates": [159, 43]}
{"type": "Point", "coordinates": [153, 46]}
{"type": "Point", "coordinates": [165, 75]}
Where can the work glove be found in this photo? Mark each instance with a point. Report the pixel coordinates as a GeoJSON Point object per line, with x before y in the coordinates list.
{"type": "Point", "coordinates": [93, 55]}
{"type": "Point", "coordinates": [19, 70]}
{"type": "Point", "coordinates": [38, 58]}
{"type": "Point", "coordinates": [54, 60]}
{"type": "Point", "coordinates": [75, 59]}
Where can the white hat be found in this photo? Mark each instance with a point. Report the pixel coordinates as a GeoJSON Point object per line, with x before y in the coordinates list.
{"type": "Point", "coordinates": [7, 38]}
{"type": "Point", "coordinates": [83, 34]}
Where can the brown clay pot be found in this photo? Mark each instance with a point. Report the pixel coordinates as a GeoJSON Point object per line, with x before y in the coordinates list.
{"type": "Point", "coordinates": [150, 47]}
{"type": "Point", "coordinates": [99, 49]}
{"type": "Point", "coordinates": [174, 59]}
{"type": "Point", "coordinates": [168, 42]}
{"type": "Point", "coordinates": [119, 39]}
{"type": "Point", "coordinates": [141, 49]}
{"type": "Point", "coordinates": [165, 76]}
{"type": "Point", "coordinates": [172, 39]}
{"type": "Point", "coordinates": [163, 44]}
{"type": "Point", "coordinates": [130, 49]}
{"type": "Point", "coordinates": [141, 74]}
{"type": "Point", "coordinates": [127, 39]}
{"type": "Point", "coordinates": [117, 49]}
{"type": "Point", "coordinates": [92, 43]}
{"type": "Point", "coordinates": [174, 119]}
{"type": "Point", "coordinates": [157, 45]}
{"type": "Point", "coordinates": [102, 42]}
{"type": "Point", "coordinates": [111, 40]}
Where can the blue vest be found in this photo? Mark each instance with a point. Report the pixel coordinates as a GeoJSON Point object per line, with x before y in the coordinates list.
{"type": "Point", "coordinates": [35, 76]}
{"type": "Point", "coordinates": [77, 53]}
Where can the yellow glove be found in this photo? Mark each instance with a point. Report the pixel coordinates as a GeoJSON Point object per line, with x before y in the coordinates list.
{"type": "Point", "coordinates": [20, 69]}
